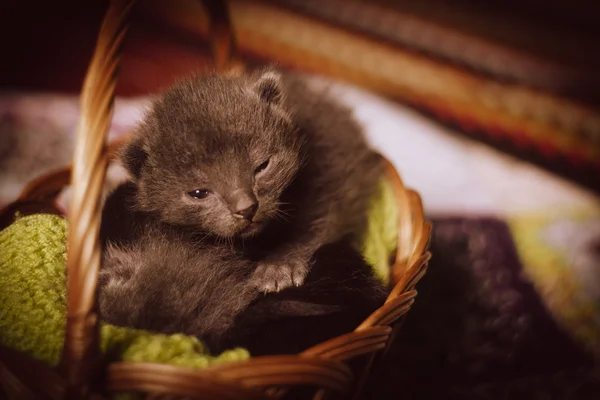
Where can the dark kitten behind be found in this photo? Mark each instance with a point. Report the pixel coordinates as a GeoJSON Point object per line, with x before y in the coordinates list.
{"type": "Point", "coordinates": [339, 293]}
{"type": "Point", "coordinates": [258, 159]}
{"type": "Point", "coordinates": [160, 286]}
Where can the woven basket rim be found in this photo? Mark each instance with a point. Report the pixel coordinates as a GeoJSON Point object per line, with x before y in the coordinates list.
{"type": "Point", "coordinates": [322, 365]}
{"type": "Point", "coordinates": [398, 302]}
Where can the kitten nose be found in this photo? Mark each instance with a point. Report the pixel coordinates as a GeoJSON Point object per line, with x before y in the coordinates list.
{"type": "Point", "coordinates": [246, 212]}
{"type": "Point", "coordinates": [244, 204]}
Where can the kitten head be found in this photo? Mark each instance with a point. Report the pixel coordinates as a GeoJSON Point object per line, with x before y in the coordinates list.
{"type": "Point", "coordinates": [216, 153]}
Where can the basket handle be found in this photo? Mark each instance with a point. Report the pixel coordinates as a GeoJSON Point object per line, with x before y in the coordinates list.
{"type": "Point", "coordinates": [80, 353]}
{"type": "Point", "coordinates": [80, 356]}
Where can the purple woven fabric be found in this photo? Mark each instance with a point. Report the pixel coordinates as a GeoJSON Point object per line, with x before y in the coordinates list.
{"type": "Point", "coordinates": [479, 329]}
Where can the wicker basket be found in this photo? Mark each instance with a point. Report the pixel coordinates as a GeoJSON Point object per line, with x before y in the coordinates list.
{"type": "Point", "coordinates": [80, 375]}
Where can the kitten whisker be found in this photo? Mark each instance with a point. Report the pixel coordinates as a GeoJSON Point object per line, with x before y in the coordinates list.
{"type": "Point", "coordinates": [282, 216]}
{"type": "Point", "coordinates": [283, 212]}
{"type": "Point", "coordinates": [286, 213]}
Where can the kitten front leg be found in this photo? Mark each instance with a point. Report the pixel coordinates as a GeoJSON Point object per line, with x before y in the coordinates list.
{"type": "Point", "coordinates": [274, 275]}
{"type": "Point", "coordinates": [116, 284]}
{"type": "Point", "coordinates": [284, 268]}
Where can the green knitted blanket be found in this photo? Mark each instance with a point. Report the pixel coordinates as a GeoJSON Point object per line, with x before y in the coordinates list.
{"type": "Point", "coordinates": [33, 293]}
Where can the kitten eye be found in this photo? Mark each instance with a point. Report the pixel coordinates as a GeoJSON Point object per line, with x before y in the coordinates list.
{"type": "Point", "coordinates": [262, 167]}
{"type": "Point", "coordinates": [199, 193]}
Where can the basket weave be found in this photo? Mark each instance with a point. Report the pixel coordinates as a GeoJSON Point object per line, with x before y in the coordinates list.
{"type": "Point", "coordinates": [324, 367]}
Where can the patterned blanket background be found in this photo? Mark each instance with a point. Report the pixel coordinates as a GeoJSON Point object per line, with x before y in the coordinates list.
{"type": "Point", "coordinates": [510, 307]}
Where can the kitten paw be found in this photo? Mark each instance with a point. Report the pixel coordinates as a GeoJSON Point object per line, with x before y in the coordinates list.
{"type": "Point", "coordinates": [272, 276]}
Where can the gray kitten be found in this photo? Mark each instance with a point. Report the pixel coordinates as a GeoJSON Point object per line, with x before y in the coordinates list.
{"type": "Point", "coordinates": [163, 282]}
{"type": "Point", "coordinates": [259, 161]}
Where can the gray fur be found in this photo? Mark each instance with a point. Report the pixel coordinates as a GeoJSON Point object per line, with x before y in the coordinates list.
{"type": "Point", "coordinates": [174, 263]}
{"type": "Point", "coordinates": [212, 132]}
{"type": "Point", "coordinates": [201, 294]}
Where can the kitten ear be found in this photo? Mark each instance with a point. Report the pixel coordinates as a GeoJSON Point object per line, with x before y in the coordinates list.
{"type": "Point", "coordinates": [133, 157]}
{"type": "Point", "coordinates": [269, 87]}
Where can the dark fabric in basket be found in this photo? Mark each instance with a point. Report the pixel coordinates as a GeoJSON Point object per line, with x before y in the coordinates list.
{"type": "Point", "coordinates": [338, 294]}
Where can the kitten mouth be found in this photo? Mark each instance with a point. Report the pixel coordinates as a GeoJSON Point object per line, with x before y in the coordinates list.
{"type": "Point", "coordinates": [251, 229]}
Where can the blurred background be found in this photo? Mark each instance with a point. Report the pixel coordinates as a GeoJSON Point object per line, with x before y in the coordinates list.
{"type": "Point", "coordinates": [489, 109]}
